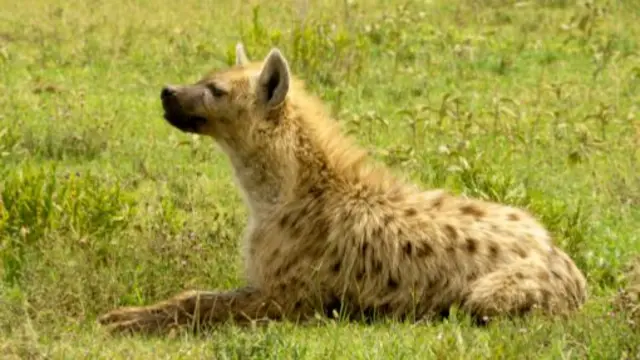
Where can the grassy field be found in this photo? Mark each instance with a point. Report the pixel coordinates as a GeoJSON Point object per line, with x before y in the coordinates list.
{"type": "Point", "coordinates": [533, 103]}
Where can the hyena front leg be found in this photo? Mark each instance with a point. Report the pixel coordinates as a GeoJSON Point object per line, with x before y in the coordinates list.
{"type": "Point", "coordinates": [200, 309]}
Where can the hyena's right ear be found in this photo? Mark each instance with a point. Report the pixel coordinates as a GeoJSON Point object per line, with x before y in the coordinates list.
{"type": "Point", "coordinates": [241, 56]}
{"type": "Point", "coordinates": [274, 79]}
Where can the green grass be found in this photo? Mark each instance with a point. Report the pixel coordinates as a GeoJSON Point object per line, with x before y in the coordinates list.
{"type": "Point", "coordinates": [533, 103]}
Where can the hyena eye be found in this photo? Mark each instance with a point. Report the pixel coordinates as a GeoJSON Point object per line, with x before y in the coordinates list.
{"type": "Point", "coordinates": [216, 91]}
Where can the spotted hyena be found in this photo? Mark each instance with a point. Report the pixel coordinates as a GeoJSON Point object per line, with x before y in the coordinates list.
{"type": "Point", "coordinates": [329, 230]}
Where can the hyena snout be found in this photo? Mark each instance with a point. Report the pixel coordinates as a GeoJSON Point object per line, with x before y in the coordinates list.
{"type": "Point", "coordinates": [168, 92]}
{"type": "Point", "coordinates": [175, 113]}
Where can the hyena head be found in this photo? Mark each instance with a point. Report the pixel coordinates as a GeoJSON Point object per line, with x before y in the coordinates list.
{"type": "Point", "coordinates": [247, 110]}
{"type": "Point", "coordinates": [232, 105]}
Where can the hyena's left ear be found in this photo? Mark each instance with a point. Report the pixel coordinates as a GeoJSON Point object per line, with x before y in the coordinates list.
{"type": "Point", "coordinates": [241, 55]}
{"type": "Point", "coordinates": [274, 79]}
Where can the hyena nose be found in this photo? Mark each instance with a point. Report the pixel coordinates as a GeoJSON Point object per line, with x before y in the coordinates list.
{"type": "Point", "coordinates": [167, 92]}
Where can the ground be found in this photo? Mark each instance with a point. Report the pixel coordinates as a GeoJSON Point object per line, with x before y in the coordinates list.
{"type": "Point", "coordinates": [103, 204]}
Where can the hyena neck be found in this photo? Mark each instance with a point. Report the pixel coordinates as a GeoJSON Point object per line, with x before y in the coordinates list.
{"type": "Point", "coordinates": [312, 155]}
{"type": "Point", "coordinates": [298, 166]}
{"type": "Point", "coordinates": [259, 185]}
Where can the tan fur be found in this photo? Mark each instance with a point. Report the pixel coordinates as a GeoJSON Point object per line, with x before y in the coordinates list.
{"type": "Point", "coordinates": [328, 228]}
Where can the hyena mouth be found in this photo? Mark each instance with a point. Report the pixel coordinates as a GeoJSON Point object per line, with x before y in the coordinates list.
{"type": "Point", "coordinates": [176, 116]}
{"type": "Point", "coordinates": [184, 122]}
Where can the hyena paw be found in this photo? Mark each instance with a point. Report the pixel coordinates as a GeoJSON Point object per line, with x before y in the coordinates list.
{"type": "Point", "coordinates": [136, 320]}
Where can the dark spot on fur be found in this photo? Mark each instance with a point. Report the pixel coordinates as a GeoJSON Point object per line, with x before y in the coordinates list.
{"type": "Point", "coordinates": [388, 218]}
{"type": "Point", "coordinates": [360, 275]}
{"type": "Point", "coordinates": [321, 230]}
{"type": "Point", "coordinates": [304, 211]}
{"type": "Point", "coordinates": [520, 251]}
{"type": "Point", "coordinates": [377, 232]}
{"type": "Point", "coordinates": [472, 210]}
{"type": "Point", "coordinates": [423, 250]}
{"type": "Point", "coordinates": [285, 220]}
{"type": "Point", "coordinates": [336, 267]}
{"type": "Point", "coordinates": [297, 305]}
{"type": "Point", "coordinates": [471, 245]}
{"type": "Point", "coordinates": [408, 248]}
{"type": "Point", "coordinates": [450, 232]}
{"type": "Point", "coordinates": [513, 217]}
{"type": "Point", "coordinates": [410, 212]}
{"type": "Point", "coordinates": [316, 192]}
{"type": "Point", "coordinates": [556, 274]}
{"type": "Point", "coordinates": [284, 269]}
{"type": "Point", "coordinates": [544, 276]}
{"type": "Point", "coordinates": [444, 313]}
{"type": "Point", "coordinates": [530, 301]}
{"type": "Point", "coordinates": [377, 266]}
{"type": "Point", "coordinates": [296, 231]}
{"type": "Point", "coordinates": [472, 277]}
{"type": "Point", "coordinates": [364, 248]}
{"type": "Point", "coordinates": [519, 275]}
{"type": "Point", "coordinates": [333, 303]}
{"type": "Point", "coordinates": [437, 203]}
{"type": "Point", "coordinates": [494, 250]}
{"type": "Point", "coordinates": [274, 255]}
{"type": "Point", "coordinates": [451, 249]}
{"type": "Point", "coordinates": [384, 309]}
{"type": "Point", "coordinates": [274, 115]}
{"type": "Point", "coordinates": [316, 249]}
{"type": "Point", "coordinates": [392, 284]}
{"type": "Point", "coordinates": [396, 197]}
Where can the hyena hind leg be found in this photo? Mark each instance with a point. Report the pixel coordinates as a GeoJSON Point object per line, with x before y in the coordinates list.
{"type": "Point", "coordinates": [522, 287]}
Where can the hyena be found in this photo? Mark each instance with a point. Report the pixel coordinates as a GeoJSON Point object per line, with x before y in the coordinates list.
{"type": "Point", "coordinates": [330, 230]}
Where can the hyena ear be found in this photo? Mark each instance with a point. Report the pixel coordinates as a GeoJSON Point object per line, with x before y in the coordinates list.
{"type": "Point", "coordinates": [274, 79]}
{"type": "Point", "coordinates": [241, 55]}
